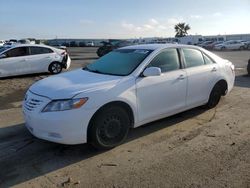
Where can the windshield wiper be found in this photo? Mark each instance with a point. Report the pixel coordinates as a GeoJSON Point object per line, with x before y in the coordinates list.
{"type": "Point", "coordinates": [99, 72]}
{"type": "Point", "coordinates": [90, 70]}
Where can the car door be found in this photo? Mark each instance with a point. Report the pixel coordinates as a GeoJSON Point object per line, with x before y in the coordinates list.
{"type": "Point", "coordinates": [165, 94]}
{"type": "Point", "coordinates": [40, 58]}
{"type": "Point", "coordinates": [235, 45]}
{"type": "Point", "coordinates": [201, 73]}
{"type": "Point", "coordinates": [14, 62]}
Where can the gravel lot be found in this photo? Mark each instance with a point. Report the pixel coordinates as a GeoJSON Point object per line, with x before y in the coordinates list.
{"type": "Point", "coordinates": [197, 148]}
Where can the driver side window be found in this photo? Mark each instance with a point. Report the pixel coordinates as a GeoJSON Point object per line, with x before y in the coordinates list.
{"type": "Point", "coordinates": [168, 60]}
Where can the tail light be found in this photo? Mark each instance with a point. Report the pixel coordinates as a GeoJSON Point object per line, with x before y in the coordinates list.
{"type": "Point", "coordinates": [232, 67]}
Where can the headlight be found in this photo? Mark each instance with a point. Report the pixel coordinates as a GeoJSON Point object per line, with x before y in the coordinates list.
{"type": "Point", "coordinates": [61, 105]}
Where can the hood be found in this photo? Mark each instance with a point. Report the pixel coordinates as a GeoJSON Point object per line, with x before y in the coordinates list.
{"type": "Point", "coordinates": [67, 85]}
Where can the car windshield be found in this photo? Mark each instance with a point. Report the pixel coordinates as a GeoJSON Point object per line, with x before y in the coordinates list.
{"type": "Point", "coordinates": [119, 62]}
{"type": "Point", "coordinates": [3, 49]}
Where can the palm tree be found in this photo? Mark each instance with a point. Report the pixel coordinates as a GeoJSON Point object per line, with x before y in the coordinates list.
{"type": "Point", "coordinates": [181, 29]}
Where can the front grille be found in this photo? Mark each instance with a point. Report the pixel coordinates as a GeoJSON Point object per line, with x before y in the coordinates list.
{"type": "Point", "coordinates": [34, 103]}
{"type": "Point", "coordinates": [31, 104]}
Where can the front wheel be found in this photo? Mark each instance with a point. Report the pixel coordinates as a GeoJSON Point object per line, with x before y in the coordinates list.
{"type": "Point", "coordinates": [109, 127]}
{"type": "Point", "coordinates": [55, 68]}
{"type": "Point", "coordinates": [214, 97]}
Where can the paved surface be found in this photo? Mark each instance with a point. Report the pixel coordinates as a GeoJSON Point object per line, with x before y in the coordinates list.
{"type": "Point", "coordinates": [197, 148]}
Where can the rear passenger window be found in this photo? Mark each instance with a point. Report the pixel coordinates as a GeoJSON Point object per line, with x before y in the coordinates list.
{"type": "Point", "coordinates": [193, 58]}
{"type": "Point", "coordinates": [17, 52]}
{"type": "Point", "coordinates": [167, 60]}
{"type": "Point", "coordinates": [207, 59]}
{"type": "Point", "coordinates": [39, 50]}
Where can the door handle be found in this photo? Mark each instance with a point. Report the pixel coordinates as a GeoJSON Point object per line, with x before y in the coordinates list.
{"type": "Point", "coordinates": [181, 77]}
{"type": "Point", "coordinates": [214, 69]}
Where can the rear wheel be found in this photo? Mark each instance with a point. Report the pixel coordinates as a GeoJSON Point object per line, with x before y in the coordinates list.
{"type": "Point", "coordinates": [109, 128]}
{"type": "Point", "coordinates": [214, 97]}
{"type": "Point", "coordinates": [242, 48]}
{"type": "Point", "coordinates": [55, 68]}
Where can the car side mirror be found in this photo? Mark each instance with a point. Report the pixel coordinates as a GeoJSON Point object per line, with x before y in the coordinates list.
{"type": "Point", "coordinates": [152, 71]}
{"type": "Point", "coordinates": [2, 56]}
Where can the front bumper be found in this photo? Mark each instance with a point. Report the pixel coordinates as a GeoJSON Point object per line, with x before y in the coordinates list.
{"type": "Point", "coordinates": [65, 127]}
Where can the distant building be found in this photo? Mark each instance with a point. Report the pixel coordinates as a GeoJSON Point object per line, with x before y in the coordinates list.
{"type": "Point", "coordinates": [190, 39]}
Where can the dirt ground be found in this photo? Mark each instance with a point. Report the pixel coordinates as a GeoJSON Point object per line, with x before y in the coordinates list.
{"type": "Point", "coordinates": [197, 148]}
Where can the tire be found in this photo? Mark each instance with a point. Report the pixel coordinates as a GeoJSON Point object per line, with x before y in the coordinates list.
{"type": "Point", "coordinates": [223, 48]}
{"type": "Point", "coordinates": [109, 128]}
{"type": "Point", "coordinates": [214, 97]}
{"type": "Point", "coordinates": [100, 51]}
{"type": "Point", "coordinates": [242, 48]}
{"type": "Point", "coordinates": [55, 68]}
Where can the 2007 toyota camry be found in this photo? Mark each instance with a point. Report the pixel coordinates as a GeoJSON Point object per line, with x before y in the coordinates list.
{"type": "Point", "coordinates": [126, 88]}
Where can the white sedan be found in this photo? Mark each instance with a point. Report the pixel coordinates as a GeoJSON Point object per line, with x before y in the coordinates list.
{"type": "Point", "coordinates": [22, 59]}
{"type": "Point", "coordinates": [125, 89]}
{"type": "Point", "coordinates": [2, 43]}
{"type": "Point", "coordinates": [230, 45]}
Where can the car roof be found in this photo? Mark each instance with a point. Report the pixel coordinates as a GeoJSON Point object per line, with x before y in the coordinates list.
{"type": "Point", "coordinates": [159, 46]}
{"type": "Point", "coordinates": [27, 45]}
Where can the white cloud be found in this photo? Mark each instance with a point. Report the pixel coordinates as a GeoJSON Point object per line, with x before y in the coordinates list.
{"type": "Point", "coordinates": [86, 22]}
{"type": "Point", "coordinates": [128, 26]}
{"type": "Point", "coordinates": [196, 16]}
{"type": "Point", "coordinates": [173, 21]}
{"type": "Point", "coordinates": [153, 21]}
{"type": "Point", "coordinates": [152, 27]}
{"type": "Point", "coordinates": [162, 27]}
{"type": "Point", "coordinates": [148, 26]}
{"type": "Point", "coordinates": [217, 14]}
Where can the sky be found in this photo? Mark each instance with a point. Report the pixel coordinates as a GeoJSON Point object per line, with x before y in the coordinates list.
{"type": "Point", "coordinates": [47, 19]}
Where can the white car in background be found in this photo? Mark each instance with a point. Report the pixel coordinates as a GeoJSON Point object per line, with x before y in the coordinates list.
{"type": "Point", "coordinates": [125, 89]}
{"type": "Point", "coordinates": [22, 59]}
{"type": "Point", "coordinates": [2, 42]}
{"type": "Point", "coordinates": [90, 44]}
{"type": "Point", "coordinates": [230, 45]}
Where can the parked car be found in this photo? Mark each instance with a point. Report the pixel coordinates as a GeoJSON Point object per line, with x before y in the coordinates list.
{"type": "Point", "coordinates": [82, 44]}
{"type": "Point", "coordinates": [26, 59]}
{"type": "Point", "coordinates": [2, 42]}
{"type": "Point", "coordinates": [73, 44]}
{"type": "Point", "coordinates": [248, 45]}
{"type": "Point", "coordinates": [8, 44]}
{"type": "Point", "coordinates": [211, 45]}
{"type": "Point", "coordinates": [24, 41]}
{"type": "Point", "coordinates": [125, 89]}
{"type": "Point", "coordinates": [230, 45]}
{"type": "Point", "coordinates": [13, 40]}
{"type": "Point", "coordinates": [111, 45]}
{"type": "Point", "coordinates": [90, 44]}
{"type": "Point", "coordinates": [244, 42]}
{"type": "Point", "coordinates": [205, 44]}
{"type": "Point", "coordinates": [60, 47]}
